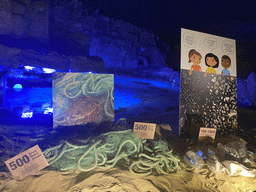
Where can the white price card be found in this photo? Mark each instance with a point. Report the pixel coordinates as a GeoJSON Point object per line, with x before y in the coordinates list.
{"type": "Point", "coordinates": [145, 130]}
{"type": "Point", "coordinates": [27, 163]}
{"type": "Point", "coordinates": [206, 132]}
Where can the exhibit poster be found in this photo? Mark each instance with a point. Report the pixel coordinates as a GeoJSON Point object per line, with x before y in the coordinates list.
{"type": "Point", "coordinates": [208, 91]}
{"type": "Point", "coordinates": [81, 98]}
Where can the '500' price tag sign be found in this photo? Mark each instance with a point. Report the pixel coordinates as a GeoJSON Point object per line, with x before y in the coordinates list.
{"type": "Point", "coordinates": [145, 130]}
{"type": "Point", "coordinates": [27, 163]}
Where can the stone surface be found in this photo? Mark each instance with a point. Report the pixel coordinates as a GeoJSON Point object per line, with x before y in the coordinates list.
{"type": "Point", "coordinates": [18, 8]}
{"type": "Point", "coordinates": [13, 58]}
{"type": "Point", "coordinates": [25, 2]}
{"type": "Point", "coordinates": [242, 93]}
{"type": "Point", "coordinates": [251, 88]}
{"type": "Point", "coordinates": [7, 52]}
{"type": "Point", "coordinates": [6, 5]}
{"type": "Point", "coordinates": [82, 64]}
{"type": "Point", "coordinates": [110, 50]}
{"type": "Point", "coordinates": [20, 18]}
{"type": "Point", "coordinates": [5, 21]}
{"type": "Point", "coordinates": [118, 43]}
{"type": "Point", "coordinates": [18, 25]}
{"type": "Point", "coordinates": [39, 25]}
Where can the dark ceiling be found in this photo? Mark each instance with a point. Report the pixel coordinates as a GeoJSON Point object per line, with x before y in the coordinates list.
{"type": "Point", "coordinates": [233, 20]}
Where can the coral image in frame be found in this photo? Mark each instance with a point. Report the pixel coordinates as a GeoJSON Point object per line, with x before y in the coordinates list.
{"type": "Point", "coordinates": [81, 98]}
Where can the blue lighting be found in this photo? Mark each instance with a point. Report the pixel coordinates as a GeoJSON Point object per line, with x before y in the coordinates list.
{"type": "Point", "coordinates": [27, 115]}
{"type": "Point", "coordinates": [48, 70]}
{"type": "Point", "coordinates": [28, 68]}
{"type": "Point", "coordinates": [17, 87]}
{"type": "Point", "coordinates": [48, 110]}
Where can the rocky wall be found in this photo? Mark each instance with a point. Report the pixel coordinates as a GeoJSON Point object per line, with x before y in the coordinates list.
{"type": "Point", "coordinates": [120, 44]}
{"type": "Point", "coordinates": [23, 19]}
{"type": "Point", "coordinates": [13, 58]}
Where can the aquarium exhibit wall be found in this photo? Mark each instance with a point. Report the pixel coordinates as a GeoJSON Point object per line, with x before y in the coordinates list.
{"type": "Point", "coordinates": [93, 106]}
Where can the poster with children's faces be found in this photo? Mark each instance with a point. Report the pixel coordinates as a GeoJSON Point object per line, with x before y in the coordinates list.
{"type": "Point", "coordinates": [208, 82]}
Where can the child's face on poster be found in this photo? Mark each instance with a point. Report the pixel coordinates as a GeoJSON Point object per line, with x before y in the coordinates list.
{"type": "Point", "coordinates": [196, 59]}
{"type": "Point", "coordinates": [225, 63]}
{"type": "Point", "coordinates": [211, 61]}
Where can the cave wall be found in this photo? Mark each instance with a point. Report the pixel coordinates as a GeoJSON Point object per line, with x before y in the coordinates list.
{"type": "Point", "coordinates": [120, 44]}
{"type": "Point", "coordinates": [23, 18]}
{"type": "Point", "coordinates": [71, 32]}
{"type": "Point", "coordinates": [14, 57]}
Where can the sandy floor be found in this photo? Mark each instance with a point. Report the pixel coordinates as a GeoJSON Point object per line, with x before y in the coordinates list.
{"type": "Point", "coordinates": [117, 180]}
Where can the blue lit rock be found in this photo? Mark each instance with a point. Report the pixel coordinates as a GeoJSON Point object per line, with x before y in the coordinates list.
{"type": "Point", "coordinates": [18, 8]}
{"type": "Point", "coordinates": [22, 18]}
{"type": "Point", "coordinates": [5, 5]}
{"type": "Point", "coordinates": [251, 88]}
{"type": "Point", "coordinates": [37, 18]}
{"type": "Point", "coordinates": [241, 93]}
{"type": "Point", "coordinates": [18, 25]}
{"type": "Point", "coordinates": [5, 22]}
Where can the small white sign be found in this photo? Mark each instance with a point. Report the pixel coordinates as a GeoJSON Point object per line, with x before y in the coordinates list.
{"type": "Point", "coordinates": [27, 163]}
{"type": "Point", "coordinates": [145, 130]}
{"type": "Point", "coordinates": [204, 132]}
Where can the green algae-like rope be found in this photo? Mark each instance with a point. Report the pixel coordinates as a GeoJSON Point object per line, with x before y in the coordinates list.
{"type": "Point", "coordinates": [84, 90]}
{"type": "Point", "coordinates": [50, 151]}
{"type": "Point", "coordinates": [56, 121]}
{"type": "Point", "coordinates": [148, 157]}
{"type": "Point", "coordinates": [91, 168]}
{"type": "Point", "coordinates": [93, 87]}
{"type": "Point", "coordinates": [59, 156]}
{"type": "Point", "coordinates": [113, 161]}
{"type": "Point", "coordinates": [77, 83]}
{"type": "Point", "coordinates": [110, 149]}
{"type": "Point", "coordinates": [103, 159]}
{"type": "Point", "coordinates": [106, 81]}
{"type": "Point", "coordinates": [79, 160]}
{"type": "Point", "coordinates": [105, 107]}
{"type": "Point", "coordinates": [122, 156]}
{"type": "Point", "coordinates": [69, 77]}
{"type": "Point", "coordinates": [158, 163]}
{"type": "Point", "coordinates": [75, 146]}
{"type": "Point", "coordinates": [68, 168]}
{"type": "Point", "coordinates": [116, 156]}
{"type": "Point", "coordinates": [146, 148]}
{"type": "Point", "coordinates": [141, 173]}
{"type": "Point", "coordinates": [97, 152]}
{"type": "Point", "coordinates": [117, 132]}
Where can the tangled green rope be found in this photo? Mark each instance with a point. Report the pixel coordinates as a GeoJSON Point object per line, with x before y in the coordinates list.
{"type": "Point", "coordinates": [160, 160]}
{"type": "Point", "coordinates": [105, 151]}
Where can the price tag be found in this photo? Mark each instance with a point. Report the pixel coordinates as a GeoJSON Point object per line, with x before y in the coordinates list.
{"type": "Point", "coordinates": [27, 163]}
{"type": "Point", "coordinates": [145, 130]}
{"type": "Point", "coordinates": [204, 132]}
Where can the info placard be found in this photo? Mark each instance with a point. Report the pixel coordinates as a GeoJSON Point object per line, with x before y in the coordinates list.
{"type": "Point", "coordinates": [206, 132]}
{"type": "Point", "coordinates": [27, 163]}
{"type": "Point", "coordinates": [145, 130]}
